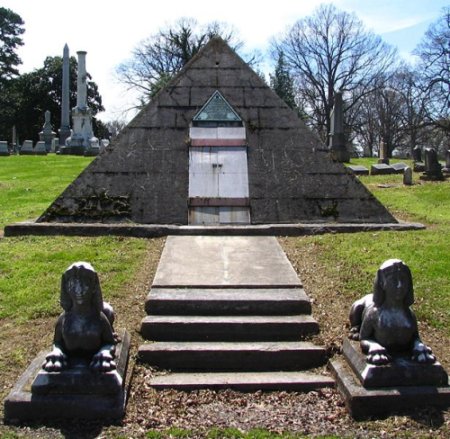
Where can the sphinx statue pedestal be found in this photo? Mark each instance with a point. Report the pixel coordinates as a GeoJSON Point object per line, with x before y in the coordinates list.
{"type": "Point", "coordinates": [76, 392]}
{"type": "Point", "coordinates": [372, 391]}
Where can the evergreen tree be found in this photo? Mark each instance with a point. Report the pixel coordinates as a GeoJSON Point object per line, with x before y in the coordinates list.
{"type": "Point", "coordinates": [10, 39]}
{"type": "Point", "coordinates": [282, 83]}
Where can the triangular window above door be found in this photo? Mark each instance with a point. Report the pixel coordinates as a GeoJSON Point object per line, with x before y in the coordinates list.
{"type": "Point", "coordinates": [217, 112]}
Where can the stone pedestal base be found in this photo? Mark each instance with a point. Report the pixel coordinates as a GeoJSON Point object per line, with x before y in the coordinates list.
{"type": "Point", "coordinates": [73, 393]}
{"type": "Point", "coordinates": [340, 155]}
{"type": "Point", "coordinates": [91, 152]}
{"type": "Point", "coordinates": [419, 167]}
{"type": "Point", "coordinates": [396, 394]}
{"type": "Point", "coordinates": [401, 372]}
{"type": "Point", "coordinates": [73, 150]}
{"type": "Point", "coordinates": [432, 177]}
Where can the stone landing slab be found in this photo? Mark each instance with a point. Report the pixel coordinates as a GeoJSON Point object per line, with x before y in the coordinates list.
{"type": "Point", "coordinates": [226, 261]}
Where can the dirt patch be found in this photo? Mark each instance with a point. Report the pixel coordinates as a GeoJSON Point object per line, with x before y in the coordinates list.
{"type": "Point", "coordinates": [314, 413]}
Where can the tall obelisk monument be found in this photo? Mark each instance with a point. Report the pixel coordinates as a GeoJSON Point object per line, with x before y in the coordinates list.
{"type": "Point", "coordinates": [81, 114]}
{"type": "Point", "coordinates": [64, 130]}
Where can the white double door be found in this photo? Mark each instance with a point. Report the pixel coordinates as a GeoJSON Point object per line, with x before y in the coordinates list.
{"type": "Point", "coordinates": [218, 175]}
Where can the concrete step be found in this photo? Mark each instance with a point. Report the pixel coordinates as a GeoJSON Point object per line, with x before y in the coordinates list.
{"type": "Point", "coordinates": [233, 356]}
{"type": "Point", "coordinates": [243, 381]}
{"type": "Point", "coordinates": [227, 301]}
{"type": "Point", "coordinates": [227, 328]}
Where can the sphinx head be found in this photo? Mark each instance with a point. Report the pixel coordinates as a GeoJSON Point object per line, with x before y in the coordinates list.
{"type": "Point", "coordinates": [80, 286]}
{"type": "Point", "coordinates": [393, 281]}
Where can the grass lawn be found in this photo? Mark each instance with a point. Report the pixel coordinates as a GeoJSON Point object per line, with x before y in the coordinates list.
{"type": "Point", "coordinates": [28, 184]}
{"type": "Point", "coordinates": [335, 268]}
{"type": "Point", "coordinates": [354, 258]}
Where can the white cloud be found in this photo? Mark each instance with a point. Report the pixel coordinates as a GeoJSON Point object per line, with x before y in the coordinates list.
{"type": "Point", "coordinates": [108, 30]}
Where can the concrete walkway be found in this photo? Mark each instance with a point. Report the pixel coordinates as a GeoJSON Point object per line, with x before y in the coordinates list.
{"type": "Point", "coordinates": [230, 312]}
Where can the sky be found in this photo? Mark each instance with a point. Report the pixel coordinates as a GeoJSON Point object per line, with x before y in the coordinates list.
{"type": "Point", "coordinates": [109, 29]}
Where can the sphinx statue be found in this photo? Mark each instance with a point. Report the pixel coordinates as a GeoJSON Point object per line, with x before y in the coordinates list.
{"type": "Point", "coordinates": [384, 323]}
{"type": "Point", "coordinates": [84, 329]}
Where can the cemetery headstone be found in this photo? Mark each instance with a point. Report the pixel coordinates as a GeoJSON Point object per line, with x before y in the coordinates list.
{"type": "Point", "coordinates": [27, 148]}
{"type": "Point", "coordinates": [407, 176]}
{"type": "Point", "coordinates": [417, 154]}
{"type": "Point", "coordinates": [4, 150]}
{"type": "Point", "coordinates": [55, 145]}
{"type": "Point", "coordinates": [338, 149]}
{"type": "Point", "coordinates": [447, 162]}
{"type": "Point", "coordinates": [433, 169]}
{"type": "Point", "coordinates": [47, 135]}
{"type": "Point", "coordinates": [40, 148]}
{"type": "Point", "coordinates": [383, 154]}
{"type": "Point", "coordinates": [84, 374]}
{"type": "Point", "coordinates": [14, 143]}
{"type": "Point", "coordinates": [94, 147]}
{"type": "Point", "coordinates": [385, 353]}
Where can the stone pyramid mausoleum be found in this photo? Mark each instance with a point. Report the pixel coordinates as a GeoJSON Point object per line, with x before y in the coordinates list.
{"type": "Point", "coordinates": [216, 146]}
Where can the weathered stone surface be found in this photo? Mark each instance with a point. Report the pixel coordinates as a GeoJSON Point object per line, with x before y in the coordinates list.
{"type": "Point", "coordinates": [408, 176]}
{"type": "Point", "coordinates": [381, 169]}
{"type": "Point", "coordinates": [228, 301]}
{"type": "Point", "coordinates": [399, 167]}
{"type": "Point", "coordinates": [152, 230]}
{"type": "Point", "coordinates": [51, 402]}
{"type": "Point", "coordinates": [417, 154]}
{"type": "Point", "coordinates": [369, 403]}
{"type": "Point", "coordinates": [27, 148]}
{"type": "Point", "coordinates": [233, 356]}
{"type": "Point", "coordinates": [40, 148]}
{"type": "Point", "coordinates": [401, 372]}
{"type": "Point", "coordinates": [358, 169]}
{"type": "Point", "coordinates": [419, 167]}
{"type": "Point", "coordinates": [224, 262]}
{"type": "Point", "coordinates": [446, 168]}
{"type": "Point", "coordinates": [433, 169]}
{"type": "Point", "coordinates": [282, 151]}
{"type": "Point", "coordinates": [243, 381]}
{"type": "Point", "coordinates": [383, 321]}
{"type": "Point", "coordinates": [4, 150]}
{"type": "Point", "coordinates": [336, 136]}
{"type": "Point", "coordinates": [228, 328]}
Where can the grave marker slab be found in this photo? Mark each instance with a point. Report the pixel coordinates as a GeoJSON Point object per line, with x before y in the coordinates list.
{"type": "Point", "coordinates": [381, 169]}
{"type": "Point", "coordinates": [358, 169]}
{"type": "Point", "coordinates": [27, 148]}
{"type": "Point", "coordinates": [4, 150]}
{"type": "Point", "coordinates": [399, 167]}
{"type": "Point", "coordinates": [40, 148]}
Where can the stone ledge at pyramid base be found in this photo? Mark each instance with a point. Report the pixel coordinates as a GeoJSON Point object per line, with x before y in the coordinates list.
{"type": "Point", "coordinates": [156, 230]}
